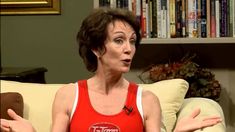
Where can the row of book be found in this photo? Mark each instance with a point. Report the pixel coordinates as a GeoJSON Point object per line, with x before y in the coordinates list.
{"type": "Point", "coordinates": [180, 18]}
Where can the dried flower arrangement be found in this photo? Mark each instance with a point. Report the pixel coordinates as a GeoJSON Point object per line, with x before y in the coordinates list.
{"type": "Point", "coordinates": [202, 82]}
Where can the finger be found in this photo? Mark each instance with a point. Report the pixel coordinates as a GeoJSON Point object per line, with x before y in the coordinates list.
{"type": "Point", "coordinates": [195, 113]}
{"type": "Point", "coordinates": [4, 129]}
{"type": "Point", "coordinates": [212, 118]}
{"type": "Point", "coordinates": [208, 123]}
{"type": "Point", "coordinates": [13, 115]}
{"type": "Point", "coordinates": [4, 123]}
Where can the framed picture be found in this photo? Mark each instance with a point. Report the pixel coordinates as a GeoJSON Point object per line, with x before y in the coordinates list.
{"type": "Point", "coordinates": [20, 7]}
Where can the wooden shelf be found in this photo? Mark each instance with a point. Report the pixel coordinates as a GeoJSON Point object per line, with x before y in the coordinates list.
{"type": "Point", "coordinates": [224, 40]}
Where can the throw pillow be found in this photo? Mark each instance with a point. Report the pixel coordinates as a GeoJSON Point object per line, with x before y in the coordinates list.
{"type": "Point", "coordinates": [11, 100]}
{"type": "Point", "coordinates": [171, 94]}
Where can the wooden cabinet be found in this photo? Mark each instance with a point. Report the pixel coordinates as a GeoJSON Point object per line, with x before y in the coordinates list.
{"type": "Point", "coordinates": [24, 74]}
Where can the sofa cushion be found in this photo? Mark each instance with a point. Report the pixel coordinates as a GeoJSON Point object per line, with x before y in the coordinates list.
{"type": "Point", "coordinates": [11, 100]}
{"type": "Point", "coordinates": [171, 94]}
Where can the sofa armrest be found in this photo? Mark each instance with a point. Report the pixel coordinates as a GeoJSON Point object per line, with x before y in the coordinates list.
{"type": "Point", "coordinates": [38, 100]}
{"type": "Point", "coordinates": [208, 108]}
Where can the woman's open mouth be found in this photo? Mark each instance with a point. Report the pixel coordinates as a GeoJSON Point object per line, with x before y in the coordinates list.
{"type": "Point", "coordinates": [127, 61]}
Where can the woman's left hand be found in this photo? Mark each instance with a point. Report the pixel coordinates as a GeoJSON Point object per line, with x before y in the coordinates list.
{"type": "Point", "coordinates": [18, 124]}
{"type": "Point", "coordinates": [190, 123]}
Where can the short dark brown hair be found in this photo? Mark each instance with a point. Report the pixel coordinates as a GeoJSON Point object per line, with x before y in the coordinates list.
{"type": "Point", "coordinates": [93, 32]}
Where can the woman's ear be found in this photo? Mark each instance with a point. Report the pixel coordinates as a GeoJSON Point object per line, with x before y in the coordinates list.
{"type": "Point", "coordinates": [97, 53]}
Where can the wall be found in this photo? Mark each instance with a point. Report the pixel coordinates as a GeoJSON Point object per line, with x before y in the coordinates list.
{"type": "Point", "coordinates": [227, 101]}
{"type": "Point", "coordinates": [46, 40]}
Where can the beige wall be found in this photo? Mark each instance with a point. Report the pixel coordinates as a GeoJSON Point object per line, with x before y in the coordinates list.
{"type": "Point", "coordinates": [227, 101]}
{"type": "Point", "coordinates": [46, 40]}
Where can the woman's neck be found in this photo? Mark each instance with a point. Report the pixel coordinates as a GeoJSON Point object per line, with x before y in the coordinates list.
{"type": "Point", "coordinates": [106, 82]}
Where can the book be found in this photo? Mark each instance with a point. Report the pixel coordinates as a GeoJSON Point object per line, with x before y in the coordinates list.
{"type": "Point", "coordinates": [164, 18]}
{"type": "Point", "coordinates": [223, 29]}
{"type": "Point", "coordinates": [159, 18]}
{"type": "Point", "coordinates": [104, 3]}
{"type": "Point", "coordinates": [172, 18]}
{"type": "Point", "coordinates": [143, 19]}
{"type": "Point", "coordinates": [148, 19]}
{"type": "Point", "coordinates": [213, 21]}
{"type": "Point", "coordinates": [150, 6]}
{"type": "Point", "coordinates": [199, 12]}
{"type": "Point", "coordinates": [192, 19]}
{"type": "Point", "coordinates": [203, 19]}
{"type": "Point", "coordinates": [113, 3]}
{"type": "Point", "coordinates": [217, 18]}
{"type": "Point", "coordinates": [130, 8]}
{"type": "Point", "coordinates": [186, 14]}
{"type": "Point", "coordinates": [178, 12]}
{"type": "Point", "coordinates": [168, 19]}
{"type": "Point", "coordinates": [183, 18]}
{"type": "Point", "coordinates": [154, 18]}
{"type": "Point", "coordinates": [118, 3]}
{"type": "Point", "coordinates": [208, 18]}
{"type": "Point", "coordinates": [138, 12]}
{"type": "Point", "coordinates": [125, 4]}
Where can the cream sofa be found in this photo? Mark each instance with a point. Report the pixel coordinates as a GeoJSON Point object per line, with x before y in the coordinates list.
{"type": "Point", "coordinates": [38, 99]}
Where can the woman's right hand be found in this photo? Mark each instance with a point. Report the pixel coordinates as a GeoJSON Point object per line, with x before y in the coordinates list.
{"type": "Point", "coordinates": [18, 124]}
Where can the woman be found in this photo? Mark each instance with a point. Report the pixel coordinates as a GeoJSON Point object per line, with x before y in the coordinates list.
{"type": "Point", "coordinates": [108, 39]}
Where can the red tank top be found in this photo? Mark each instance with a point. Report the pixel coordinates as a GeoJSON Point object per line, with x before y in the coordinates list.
{"type": "Point", "coordinates": [86, 119]}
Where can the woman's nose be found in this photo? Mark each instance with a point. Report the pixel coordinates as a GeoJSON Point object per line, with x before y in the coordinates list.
{"type": "Point", "coordinates": [128, 47]}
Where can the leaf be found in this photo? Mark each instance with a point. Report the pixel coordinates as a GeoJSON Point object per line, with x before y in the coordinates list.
{"type": "Point", "coordinates": [203, 82]}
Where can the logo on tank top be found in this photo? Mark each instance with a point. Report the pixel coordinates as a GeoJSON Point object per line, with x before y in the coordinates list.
{"type": "Point", "coordinates": [104, 127]}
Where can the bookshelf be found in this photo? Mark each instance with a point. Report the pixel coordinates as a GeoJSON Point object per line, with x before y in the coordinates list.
{"type": "Point", "coordinates": [178, 40]}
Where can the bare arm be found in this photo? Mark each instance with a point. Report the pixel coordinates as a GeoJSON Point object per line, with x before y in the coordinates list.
{"type": "Point", "coordinates": [61, 110]}
{"type": "Point", "coordinates": [152, 112]}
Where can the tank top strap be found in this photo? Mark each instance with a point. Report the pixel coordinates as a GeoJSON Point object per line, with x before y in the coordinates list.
{"type": "Point", "coordinates": [83, 91]}
{"type": "Point", "coordinates": [82, 84]}
{"type": "Point", "coordinates": [131, 97]}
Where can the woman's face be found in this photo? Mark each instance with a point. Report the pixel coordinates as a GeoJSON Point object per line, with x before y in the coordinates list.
{"type": "Point", "coordinates": [120, 47]}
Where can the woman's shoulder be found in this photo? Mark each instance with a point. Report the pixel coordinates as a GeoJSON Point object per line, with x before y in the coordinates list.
{"type": "Point", "coordinates": [149, 100]}
{"type": "Point", "coordinates": [148, 95]}
{"type": "Point", "coordinates": [66, 92]}
{"type": "Point", "coordinates": [67, 88]}
{"type": "Point", "coordinates": [65, 96]}
{"type": "Point", "coordinates": [151, 104]}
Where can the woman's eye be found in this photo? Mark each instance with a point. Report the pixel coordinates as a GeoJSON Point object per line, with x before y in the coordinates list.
{"type": "Point", "coordinates": [133, 41]}
{"type": "Point", "coordinates": [118, 41]}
